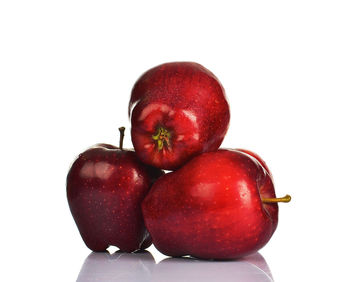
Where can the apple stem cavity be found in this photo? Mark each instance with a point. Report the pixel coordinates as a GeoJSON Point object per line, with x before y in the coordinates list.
{"type": "Point", "coordinates": [284, 199]}
{"type": "Point", "coordinates": [161, 137]}
{"type": "Point", "coordinates": [121, 137]}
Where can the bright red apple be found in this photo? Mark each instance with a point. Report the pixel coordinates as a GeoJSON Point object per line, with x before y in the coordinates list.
{"type": "Point", "coordinates": [220, 205]}
{"type": "Point", "coordinates": [178, 110]}
{"type": "Point", "coordinates": [105, 188]}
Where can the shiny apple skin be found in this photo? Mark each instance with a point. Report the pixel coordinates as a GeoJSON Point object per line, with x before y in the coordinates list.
{"type": "Point", "coordinates": [105, 188]}
{"type": "Point", "coordinates": [257, 157]}
{"type": "Point", "coordinates": [189, 102]}
{"type": "Point", "coordinates": [211, 207]}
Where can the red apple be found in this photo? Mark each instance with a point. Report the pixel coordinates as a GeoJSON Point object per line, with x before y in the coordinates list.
{"type": "Point", "coordinates": [178, 110]}
{"type": "Point", "coordinates": [220, 205]}
{"type": "Point", "coordinates": [105, 188]}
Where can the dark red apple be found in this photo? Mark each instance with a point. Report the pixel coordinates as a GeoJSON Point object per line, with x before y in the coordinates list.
{"type": "Point", "coordinates": [178, 110]}
{"type": "Point", "coordinates": [105, 188]}
{"type": "Point", "coordinates": [220, 205]}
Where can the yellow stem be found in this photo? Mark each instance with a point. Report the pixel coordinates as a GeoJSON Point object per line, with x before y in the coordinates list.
{"type": "Point", "coordinates": [284, 199]}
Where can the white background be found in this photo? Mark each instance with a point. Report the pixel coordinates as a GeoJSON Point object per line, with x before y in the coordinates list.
{"type": "Point", "coordinates": [66, 71]}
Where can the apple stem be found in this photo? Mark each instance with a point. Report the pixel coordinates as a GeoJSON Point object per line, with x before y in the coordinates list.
{"type": "Point", "coordinates": [121, 137]}
{"type": "Point", "coordinates": [284, 199]}
{"type": "Point", "coordinates": [161, 137]}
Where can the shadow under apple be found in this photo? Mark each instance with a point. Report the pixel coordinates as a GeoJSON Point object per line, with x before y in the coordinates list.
{"type": "Point", "coordinates": [140, 266]}
{"type": "Point", "coordinates": [251, 268]}
{"type": "Point", "coordinates": [118, 266]}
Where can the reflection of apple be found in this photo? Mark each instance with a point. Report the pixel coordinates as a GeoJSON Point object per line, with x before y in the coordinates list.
{"type": "Point", "coordinates": [219, 205]}
{"type": "Point", "coordinates": [104, 267]}
{"type": "Point", "coordinates": [140, 266]}
{"type": "Point", "coordinates": [252, 268]}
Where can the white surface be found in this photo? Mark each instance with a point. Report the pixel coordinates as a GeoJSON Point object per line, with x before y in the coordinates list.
{"type": "Point", "coordinates": [66, 71]}
{"type": "Point", "coordinates": [142, 267]}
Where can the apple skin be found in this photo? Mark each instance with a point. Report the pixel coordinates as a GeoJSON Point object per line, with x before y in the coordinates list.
{"type": "Point", "coordinates": [188, 102]}
{"type": "Point", "coordinates": [105, 188]}
{"type": "Point", "coordinates": [212, 207]}
{"type": "Point", "coordinates": [257, 157]}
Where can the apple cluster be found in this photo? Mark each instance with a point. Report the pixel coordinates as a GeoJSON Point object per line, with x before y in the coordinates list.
{"type": "Point", "coordinates": [214, 204]}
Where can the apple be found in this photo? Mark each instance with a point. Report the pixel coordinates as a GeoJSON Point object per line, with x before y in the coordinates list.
{"type": "Point", "coordinates": [220, 205]}
{"type": "Point", "coordinates": [250, 268]}
{"type": "Point", "coordinates": [105, 188]}
{"type": "Point", "coordinates": [178, 110]}
{"type": "Point", "coordinates": [119, 266]}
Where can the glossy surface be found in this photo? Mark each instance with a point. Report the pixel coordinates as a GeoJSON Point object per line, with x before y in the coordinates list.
{"type": "Point", "coordinates": [105, 187]}
{"type": "Point", "coordinates": [123, 267]}
{"type": "Point", "coordinates": [141, 266]}
{"type": "Point", "coordinates": [188, 102]}
{"type": "Point", "coordinates": [211, 208]}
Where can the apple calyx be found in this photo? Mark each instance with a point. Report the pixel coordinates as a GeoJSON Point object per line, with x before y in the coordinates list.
{"type": "Point", "coordinates": [284, 199]}
{"type": "Point", "coordinates": [121, 137]}
{"type": "Point", "coordinates": [162, 137]}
